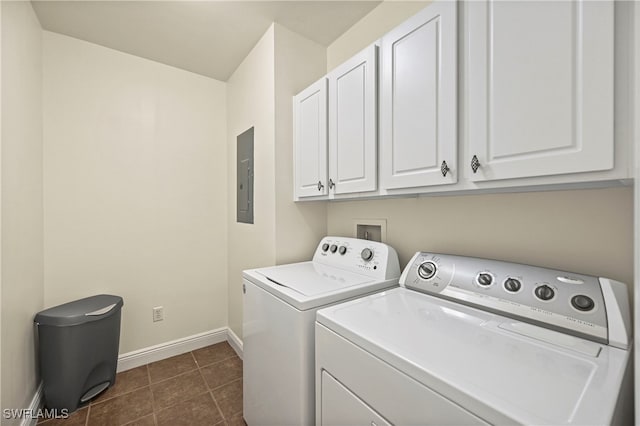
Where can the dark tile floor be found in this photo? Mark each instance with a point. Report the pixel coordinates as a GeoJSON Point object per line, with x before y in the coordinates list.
{"type": "Point", "coordinates": [203, 387]}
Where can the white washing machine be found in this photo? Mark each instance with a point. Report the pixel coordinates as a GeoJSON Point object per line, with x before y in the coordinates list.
{"type": "Point", "coordinates": [280, 305]}
{"type": "Point", "coordinates": [475, 341]}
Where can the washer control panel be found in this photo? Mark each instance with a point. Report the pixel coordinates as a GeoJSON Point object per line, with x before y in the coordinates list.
{"type": "Point", "coordinates": [563, 301]}
{"type": "Point", "coordinates": [363, 256]}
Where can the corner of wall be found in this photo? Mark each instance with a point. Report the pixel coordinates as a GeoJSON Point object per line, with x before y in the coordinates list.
{"type": "Point", "coordinates": [21, 201]}
{"type": "Point", "coordinates": [250, 103]}
{"type": "Point", "coordinates": [636, 138]}
{"type": "Point", "coordinates": [1, 139]}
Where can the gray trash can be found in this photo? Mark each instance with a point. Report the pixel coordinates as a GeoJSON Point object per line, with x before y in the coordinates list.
{"type": "Point", "coordinates": [78, 346]}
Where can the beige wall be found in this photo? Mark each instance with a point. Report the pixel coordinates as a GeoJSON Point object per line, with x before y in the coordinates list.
{"type": "Point", "coordinates": [636, 137]}
{"type": "Point", "coordinates": [135, 178]}
{"type": "Point", "coordinates": [22, 211]}
{"type": "Point", "coordinates": [250, 103]}
{"type": "Point", "coordinates": [260, 95]}
{"type": "Point", "coordinates": [299, 226]}
{"type": "Point", "coordinates": [375, 24]}
{"type": "Point", "coordinates": [587, 231]}
{"type": "Point", "coordinates": [1, 92]}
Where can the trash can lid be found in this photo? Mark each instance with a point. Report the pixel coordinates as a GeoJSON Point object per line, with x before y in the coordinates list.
{"type": "Point", "coordinates": [80, 311]}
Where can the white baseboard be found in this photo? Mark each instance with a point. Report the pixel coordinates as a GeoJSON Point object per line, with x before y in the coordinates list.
{"type": "Point", "coordinates": [36, 403]}
{"type": "Point", "coordinates": [235, 342]}
{"type": "Point", "coordinates": [167, 350]}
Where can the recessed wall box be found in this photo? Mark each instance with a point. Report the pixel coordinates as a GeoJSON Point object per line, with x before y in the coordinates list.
{"type": "Point", "coordinates": [371, 229]}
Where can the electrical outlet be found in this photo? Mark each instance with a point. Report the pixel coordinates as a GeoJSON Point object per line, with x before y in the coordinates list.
{"type": "Point", "coordinates": [158, 313]}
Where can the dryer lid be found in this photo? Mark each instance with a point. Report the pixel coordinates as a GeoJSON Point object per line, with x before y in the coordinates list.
{"type": "Point", "coordinates": [468, 354]}
{"type": "Point", "coordinates": [312, 278]}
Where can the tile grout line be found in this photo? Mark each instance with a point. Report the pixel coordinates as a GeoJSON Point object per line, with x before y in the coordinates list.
{"type": "Point", "coordinates": [215, 401]}
{"type": "Point", "coordinates": [224, 419]}
{"type": "Point", "coordinates": [153, 396]}
{"type": "Point", "coordinates": [217, 362]}
{"type": "Point", "coordinates": [210, 392]}
{"type": "Point", "coordinates": [155, 407]}
{"type": "Point", "coordinates": [95, 402]}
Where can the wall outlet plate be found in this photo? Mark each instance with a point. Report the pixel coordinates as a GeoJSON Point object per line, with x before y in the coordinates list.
{"type": "Point", "coordinates": [158, 313]}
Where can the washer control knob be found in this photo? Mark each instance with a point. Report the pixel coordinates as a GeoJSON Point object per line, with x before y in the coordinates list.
{"type": "Point", "coordinates": [325, 247]}
{"type": "Point", "coordinates": [366, 254]}
{"type": "Point", "coordinates": [544, 292]}
{"type": "Point", "coordinates": [512, 285]}
{"type": "Point", "coordinates": [582, 303]}
{"type": "Point", "coordinates": [427, 270]}
{"type": "Point", "coordinates": [484, 279]}
{"type": "Point", "coordinates": [342, 250]}
{"type": "Point", "coordinates": [334, 248]}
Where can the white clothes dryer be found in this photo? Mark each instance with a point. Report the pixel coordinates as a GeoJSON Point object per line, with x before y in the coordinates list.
{"type": "Point", "coordinates": [475, 341]}
{"type": "Point", "coordinates": [279, 311]}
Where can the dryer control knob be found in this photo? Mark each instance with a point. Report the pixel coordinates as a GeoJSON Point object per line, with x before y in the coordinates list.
{"type": "Point", "coordinates": [342, 250]}
{"type": "Point", "coordinates": [325, 247]}
{"type": "Point", "coordinates": [544, 292]}
{"type": "Point", "coordinates": [427, 270]}
{"type": "Point", "coordinates": [334, 248]}
{"type": "Point", "coordinates": [484, 279]}
{"type": "Point", "coordinates": [366, 254]}
{"type": "Point", "coordinates": [512, 285]}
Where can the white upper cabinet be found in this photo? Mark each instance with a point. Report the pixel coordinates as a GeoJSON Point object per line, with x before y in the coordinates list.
{"type": "Point", "coordinates": [418, 105]}
{"type": "Point", "coordinates": [540, 88]}
{"type": "Point", "coordinates": [310, 141]}
{"type": "Point", "coordinates": [353, 124]}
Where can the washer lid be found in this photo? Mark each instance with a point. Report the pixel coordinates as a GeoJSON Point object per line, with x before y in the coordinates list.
{"type": "Point", "coordinates": [309, 285]}
{"type": "Point", "coordinates": [312, 278]}
{"type": "Point", "coordinates": [469, 357]}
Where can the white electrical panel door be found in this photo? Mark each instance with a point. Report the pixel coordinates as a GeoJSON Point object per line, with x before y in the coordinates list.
{"type": "Point", "coordinates": [540, 88]}
{"type": "Point", "coordinates": [353, 124]}
{"type": "Point", "coordinates": [418, 108]}
{"type": "Point", "coordinates": [310, 141]}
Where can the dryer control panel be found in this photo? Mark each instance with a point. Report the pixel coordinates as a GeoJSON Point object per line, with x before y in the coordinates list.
{"type": "Point", "coordinates": [581, 305]}
{"type": "Point", "coordinates": [370, 258]}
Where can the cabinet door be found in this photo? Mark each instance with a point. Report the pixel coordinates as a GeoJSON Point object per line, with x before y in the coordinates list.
{"type": "Point", "coordinates": [540, 85]}
{"type": "Point", "coordinates": [310, 140]}
{"type": "Point", "coordinates": [418, 105]}
{"type": "Point", "coordinates": [353, 124]}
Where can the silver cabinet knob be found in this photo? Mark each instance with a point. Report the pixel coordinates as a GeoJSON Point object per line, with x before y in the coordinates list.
{"type": "Point", "coordinates": [475, 164]}
{"type": "Point", "coordinates": [444, 168]}
{"type": "Point", "coordinates": [320, 185]}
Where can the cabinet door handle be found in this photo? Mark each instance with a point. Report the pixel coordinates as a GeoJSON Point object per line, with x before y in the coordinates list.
{"type": "Point", "coordinates": [331, 184]}
{"type": "Point", "coordinates": [320, 185]}
{"type": "Point", "coordinates": [444, 168]}
{"type": "Point", "coordinates": [475, 164]}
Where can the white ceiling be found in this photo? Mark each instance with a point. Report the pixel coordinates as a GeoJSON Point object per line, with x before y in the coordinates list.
{"type": "Point", "coordinates": [206, 37]}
